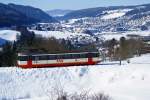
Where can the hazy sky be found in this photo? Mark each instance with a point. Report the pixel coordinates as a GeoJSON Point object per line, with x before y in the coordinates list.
{"type": "Point", "coordinates": [74, 4]}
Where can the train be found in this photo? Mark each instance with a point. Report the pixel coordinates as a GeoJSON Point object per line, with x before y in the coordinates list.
{"type": "Point", "coordinates": [57, 60]}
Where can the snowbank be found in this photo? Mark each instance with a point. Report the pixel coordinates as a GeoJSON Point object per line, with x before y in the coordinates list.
{"type": "Point", "coordinates": [126, 82]}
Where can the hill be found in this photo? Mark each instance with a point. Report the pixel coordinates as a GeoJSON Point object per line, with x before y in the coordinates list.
{"type": "Point", "coordinates": [113, 18]}
{"type": "Point", "coordinates": [11, 15]}
{"type": "Point", "coordinates": [100, 11]}
{"type": "Point", "coordinates": [32, 12]}
{"type": "Point", "coordinates": [58, 12]}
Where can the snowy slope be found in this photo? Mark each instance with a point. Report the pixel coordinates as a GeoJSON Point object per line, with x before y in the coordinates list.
{"type": "Point", "coordinates": [118, 35]}
{"type": "Point", "coordinates": [57, 34]}
{"type": "Point", "coordinates": [8, 35]}
{"type": "Point", "coordinates": [85, 38]}
{"type": "Point", "coordinates": [74, 37]}
{"type": "Point", "coordinates": [126, 82]}
{"type": "Point", "coordinates": [111, 14]}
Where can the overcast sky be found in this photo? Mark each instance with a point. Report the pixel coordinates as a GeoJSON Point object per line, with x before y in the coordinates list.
{"type": "Point", "coordinates": [74, 4]}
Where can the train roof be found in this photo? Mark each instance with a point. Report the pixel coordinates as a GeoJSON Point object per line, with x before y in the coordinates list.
{"type": "Point", "coordinates": [40, 54]}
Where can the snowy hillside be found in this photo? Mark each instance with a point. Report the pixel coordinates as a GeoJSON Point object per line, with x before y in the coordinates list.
{"type": "Point", "coordinates": [125, 82]}
{"type": "Point", "coordinates": [58, 12]}
{"type": "Point", "coordinates": [8, 35]}
{"type": "Point", "coordinates": [110, 14]}
{"type": "Point", "coordinates": [118, 35]}
{"type": "Point", "coordinates": [80, 37]}
{"type": "Point", "coordinates": [57, 34]}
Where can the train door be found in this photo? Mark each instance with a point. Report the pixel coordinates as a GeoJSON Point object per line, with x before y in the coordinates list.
{"type": "Point", "coordinates": [90, 59]}
{"type": "Point", "coordinates": [29, 62]}
{"type": "Point", "coordinates": [36, 60]}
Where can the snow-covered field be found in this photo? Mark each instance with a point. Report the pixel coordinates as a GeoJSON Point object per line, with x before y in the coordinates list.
{"type": "Point", "coordinates": [115, 13]}
{"type": "Point", "coordinates": [118, 35]}
{"type": "Point", "coordinates": [58, 34]}
{"type": "Point", "coordinates": [8, 35]}
{"type": "Point", "coordinates": [125, 82]}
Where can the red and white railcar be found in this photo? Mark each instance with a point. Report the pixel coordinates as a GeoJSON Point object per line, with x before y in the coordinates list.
{"type": "Point", "coordinates": [57, 60]}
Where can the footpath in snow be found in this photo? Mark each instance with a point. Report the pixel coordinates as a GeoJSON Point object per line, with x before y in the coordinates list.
{"type": "Point", "coordinates": [125, 82]}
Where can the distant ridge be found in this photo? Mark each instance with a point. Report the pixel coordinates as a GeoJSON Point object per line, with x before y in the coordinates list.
{"type": "Point", "coordinates": [98, 11]}
{"type": "Point", "coordinates": [58, 12]}
{"type": "Point", "coordinates": [12, 14]}
{"type": "Point", "coordinates": [32, 12]}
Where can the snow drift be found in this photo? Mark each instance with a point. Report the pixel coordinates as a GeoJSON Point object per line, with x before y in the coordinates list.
{"type": "Point", "coordinates": [125, 82]}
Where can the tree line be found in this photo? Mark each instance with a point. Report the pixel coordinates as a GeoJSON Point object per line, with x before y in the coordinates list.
{"type": "Point", "coordinates": [124, 48]}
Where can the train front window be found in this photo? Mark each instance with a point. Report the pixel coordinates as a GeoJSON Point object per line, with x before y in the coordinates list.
{"type": "Point", "coordinates": [96, 54]}
{"type": "Point", "coordinates": [23, 58]}
{"type": "Point", "coordinates": [93, 54]}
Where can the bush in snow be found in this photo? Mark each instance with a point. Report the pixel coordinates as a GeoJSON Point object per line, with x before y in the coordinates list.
{"type": "Point", "coordinates": [58, 93]}
{"type": "Point", "coordinates": [84, 96]}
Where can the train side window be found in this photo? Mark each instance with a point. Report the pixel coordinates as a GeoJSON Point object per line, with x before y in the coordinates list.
{"type": "Point", "coordinates": [51, 57]}
{"type": "Point", "coordinates": [86, 55]}
{"type": "Point", "coordinates": [63, 56]}
{"type": "Point", "coordinates": [58, 57]}
{"type": "Point", "coordinates": [74, 56]}
{"type": "Point", "coordinates": [89, 55]}
{"type": "Point", "coordinates": [69, 56]}
{"type": "Point", "coordinates": [77, 55]}
{"type": "Point", "coordinates": [66, 56]}
{"type": "Point", "coordinates": [36, 58]}
{"type": "Point", "coordinates": [93, 54]}
{"type": "Point", "coordinates": [80, 55]}
{"type": "Point", "coordinates": [83, 55]}
{"type": "Point", "coordinates": [43, 57]}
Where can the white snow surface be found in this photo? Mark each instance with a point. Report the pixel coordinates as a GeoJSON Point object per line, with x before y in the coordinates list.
{"type": "Point", "coordinates": [9, 35]}
{"type": "Point", "coordinates": [111, 14]}
{"type": "Point", "coordinates": [58, 34]}
{"type": "Point", "coordinates": [125, 82]}
{"type": "Point", "coordinates": [118, 35]}
{"type": "Point", "coordinates": [71, 21]}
